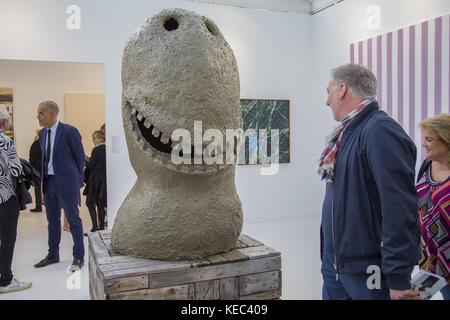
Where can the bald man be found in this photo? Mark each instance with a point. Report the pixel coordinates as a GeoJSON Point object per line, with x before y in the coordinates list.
{"type": "Point", "coordinates": [62, 177]}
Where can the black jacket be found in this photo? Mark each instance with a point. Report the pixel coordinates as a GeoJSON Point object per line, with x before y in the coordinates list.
{"type": "Point", "coordinates": [36, 155]}
{"type": "Point", "coordinates": [28, 177]}
{"type": "Point", "coordinates": [95, 173]}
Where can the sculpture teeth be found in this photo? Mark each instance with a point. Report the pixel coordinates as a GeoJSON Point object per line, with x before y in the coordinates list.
{"type": "Point", "coordinates": [139, 116]}
{"type": "Point", "coordinates": [147, 123]}
{"type": "Point", "coordinates": [155, 132]}
{"type": "Point", "coordinates": [165, 139]}
{"type": "Point", "coordinates": [133, 110]}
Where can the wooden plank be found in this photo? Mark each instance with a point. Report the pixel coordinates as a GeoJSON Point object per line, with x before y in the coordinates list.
{"type": "Point", "coordinates": [126, 284]}
{"type": "Point", "coordinates": [112, 253]}
{"type": "Point", "coordinates": [267, 295]}
{"type": "Point", "coordinates": [249, 241]}
{"type": "Point", "coordinates": [116, 259]}
{"type": "Point", "coordinates": [95, 279]}
{"type": "Point", "coordinates": [229, 288]}
{"type": "Point", "coordinates": [105, 234]}
{"type": "Point", "coordinates": [92, 278]}
{"type": "Point", "coordinates": [91, 292]}
{"type": "Point", "coordinates": [280, 282]}
{"type": "Point", "coordinates": [191, 294]}
{"type": "Point", "coordinates": [259, 252]}
{"type": "Point", "coordinates": [97, 246]}
{"type": "Point", "coordinates": [204, 290]}
{"type": "Point", "coordinates": [235, 256]}
{"type": "Point", "coordinates": [100, 286]}
{"type": "Point", "coordinates": [216, 289]}
{"type": "Point", "coordinates": [107, 243]}
{"type": "Point", "coordinates": [228, 270]}
{"type": "Point", "coordinates": [217, 259]}
{"type": "Point", "coordinates": [147, 267]}
{"type": "Point", "coordinates": [240, 244]}
{"type": "Point", "coordinates": [260, 282]}
{"type": "Point", "coordinates": [200, 263]}
{"type": "Point", "coordinates": [169, 293]}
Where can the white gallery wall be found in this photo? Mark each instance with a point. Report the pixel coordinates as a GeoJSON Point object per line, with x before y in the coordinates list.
{"type": "Point", "coordinates": [279, 55]}
{"type": "Point", "coordinates": [272, 50]}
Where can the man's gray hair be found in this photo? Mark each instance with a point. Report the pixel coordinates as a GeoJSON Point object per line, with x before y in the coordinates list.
{"type": "Point", "coordinates": [360, 80]}
{"type": "Point", "coordinates": [50, 106]}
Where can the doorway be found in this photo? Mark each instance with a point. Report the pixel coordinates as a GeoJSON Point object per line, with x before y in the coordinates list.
{"type": "Point", "coordinates": [77, 88]}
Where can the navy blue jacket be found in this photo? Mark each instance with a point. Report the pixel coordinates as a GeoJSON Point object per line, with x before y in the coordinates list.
{"type": "Point", "coordinates": [68, 159]}
{"type": "Point", "coordinates": [374, 203]}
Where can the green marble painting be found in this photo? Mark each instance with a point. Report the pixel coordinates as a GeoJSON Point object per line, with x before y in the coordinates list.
{"type": "Point", "coordinates": [265, 114]}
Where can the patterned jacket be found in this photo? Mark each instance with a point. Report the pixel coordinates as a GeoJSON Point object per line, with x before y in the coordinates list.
{"type": "Point", "coordinates": [9, 166]}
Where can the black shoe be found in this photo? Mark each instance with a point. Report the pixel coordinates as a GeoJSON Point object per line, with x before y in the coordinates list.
{"type": "Point", "coordinates": [46, 261]}
{"type": "Point", "coordinates": [77, 264]}
{"type": "Point", "coordinates": [36, 210]}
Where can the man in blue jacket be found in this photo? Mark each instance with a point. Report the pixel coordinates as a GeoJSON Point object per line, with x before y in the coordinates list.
{"type": "Point", "coordinates": [370, 234]}
{"type": "Point", "coordinates": [62, 177]}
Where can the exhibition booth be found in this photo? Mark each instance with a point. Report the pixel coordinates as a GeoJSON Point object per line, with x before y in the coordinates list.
{"type": "Point", "coordinates": [71, 52]}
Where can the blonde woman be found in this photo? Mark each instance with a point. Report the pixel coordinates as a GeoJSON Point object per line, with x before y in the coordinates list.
{"type": "Point", "coordinates": [433, 189]}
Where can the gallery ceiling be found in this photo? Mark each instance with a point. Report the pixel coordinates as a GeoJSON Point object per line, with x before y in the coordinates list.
{"type": "Point", "coordinates": [294, 6]}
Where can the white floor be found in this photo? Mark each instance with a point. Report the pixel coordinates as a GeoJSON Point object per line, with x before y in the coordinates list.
{"type": "Point", "coordinates": [297, 239]}
{"type": "Point", "coordinates": [51, 282]}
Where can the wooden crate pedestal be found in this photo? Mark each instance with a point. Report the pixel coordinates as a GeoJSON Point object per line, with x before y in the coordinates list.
{"type": "Point", "coordinates": [251, 271]}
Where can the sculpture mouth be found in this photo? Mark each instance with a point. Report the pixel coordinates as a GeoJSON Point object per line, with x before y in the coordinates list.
{"type": "Point", "coordinates": [159, 146]}
{"type": "Point", "coordinates": [152, 135]}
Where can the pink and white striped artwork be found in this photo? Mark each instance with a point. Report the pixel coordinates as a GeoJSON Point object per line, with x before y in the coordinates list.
{"type": "Point", "coordinates": [412, 66]}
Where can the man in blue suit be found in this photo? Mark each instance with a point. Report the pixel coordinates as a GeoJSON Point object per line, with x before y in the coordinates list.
{"type": "Point", "coordinates": [62, 177]}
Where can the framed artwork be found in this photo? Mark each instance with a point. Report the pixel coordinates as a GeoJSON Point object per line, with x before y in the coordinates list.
{"type": "Point", "coordinates": [265, 122]}
{"type": "Point", "coordinates": [6, 102]}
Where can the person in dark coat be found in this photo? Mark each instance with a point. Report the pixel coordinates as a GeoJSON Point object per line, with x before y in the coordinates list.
{"type": "Point", "coordinates": [95, 179]}
{"type": "Point", "coordinates": [35, 161]}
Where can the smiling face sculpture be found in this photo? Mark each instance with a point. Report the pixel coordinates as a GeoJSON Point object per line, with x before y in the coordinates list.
{"type": "Point", "coordinates": [177, 69]}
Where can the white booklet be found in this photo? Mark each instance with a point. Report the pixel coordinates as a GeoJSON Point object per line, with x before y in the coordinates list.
{"type": "Point", "coordinates": [427, 284]}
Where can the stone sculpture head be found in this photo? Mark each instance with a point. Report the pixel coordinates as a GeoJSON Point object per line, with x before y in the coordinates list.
{"type": "Point", "coordinates": [177, 69]}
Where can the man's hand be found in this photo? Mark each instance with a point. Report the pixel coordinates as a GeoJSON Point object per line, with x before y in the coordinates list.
{"type": "Point", "coordinates": [404, 294]}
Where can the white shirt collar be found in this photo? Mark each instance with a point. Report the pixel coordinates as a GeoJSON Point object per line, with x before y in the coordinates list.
{"type": "Point", "coordinates": [55, 126]}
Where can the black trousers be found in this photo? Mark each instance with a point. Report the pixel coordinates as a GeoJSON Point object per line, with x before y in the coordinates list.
{"type": "Point", "coordinates": [38, 196]}
{"type": "Point", "coordinates": [9, 216]}
{"type": "Point", "coordinates": [97, 210]}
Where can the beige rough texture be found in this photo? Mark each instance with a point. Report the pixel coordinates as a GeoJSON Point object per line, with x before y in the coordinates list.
{"type": "Point", "coordinates": [170, 79]}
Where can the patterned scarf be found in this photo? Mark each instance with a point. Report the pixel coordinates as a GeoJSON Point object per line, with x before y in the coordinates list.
{"type": "Point", "coordinates": [326, 161]}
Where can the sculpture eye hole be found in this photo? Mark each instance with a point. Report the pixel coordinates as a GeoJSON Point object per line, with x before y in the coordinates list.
{"type": "Point", "coordinates": [171, 24]}
{"type": "Point", "coordinates": [210, 26]}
